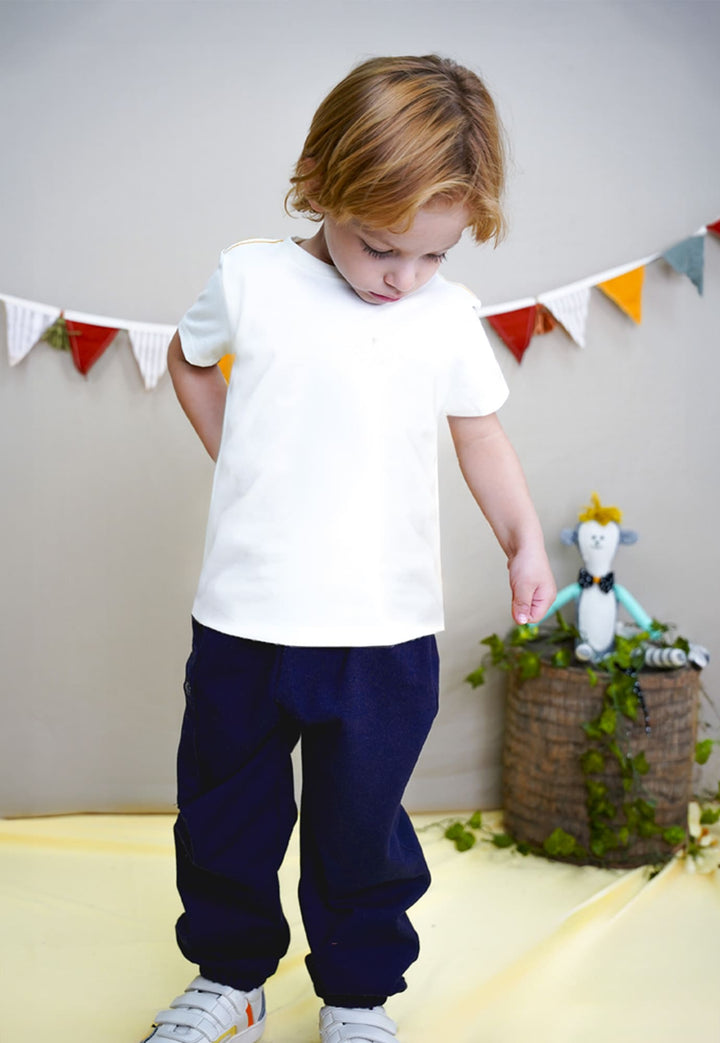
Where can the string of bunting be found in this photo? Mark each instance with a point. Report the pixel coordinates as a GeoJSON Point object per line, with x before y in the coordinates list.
{"type": "Point", "coordinates": [87, 337]}
{"type": "Point", "coordinates": [516, 323]}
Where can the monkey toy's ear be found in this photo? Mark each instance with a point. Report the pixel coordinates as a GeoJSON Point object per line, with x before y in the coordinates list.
{"type": "Point", "coordinates": [569, 536]}
{"type": "Point", "coordinates": [628, 536]}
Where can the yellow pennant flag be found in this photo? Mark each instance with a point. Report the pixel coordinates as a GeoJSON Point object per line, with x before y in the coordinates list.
{"type": "Point", "coordinates": [225, 364]}
{"type": "Point", "coordinates": [626, 291]}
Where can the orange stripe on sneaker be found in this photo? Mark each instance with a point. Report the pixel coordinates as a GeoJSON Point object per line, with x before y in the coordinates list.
{"type": "Point", "coordinates": [249, 1015]}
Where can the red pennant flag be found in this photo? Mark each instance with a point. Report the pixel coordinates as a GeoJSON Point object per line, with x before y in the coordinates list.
{"type": "Point", "coordinates": [714, 227]}
{"type": "Point", "coordinates": [516, 328]}
{"type": "Point", "coordinates": [88, 343]}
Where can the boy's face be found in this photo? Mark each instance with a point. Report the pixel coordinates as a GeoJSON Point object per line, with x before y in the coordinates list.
{"type": "Point", "coordinates": [384, 266]}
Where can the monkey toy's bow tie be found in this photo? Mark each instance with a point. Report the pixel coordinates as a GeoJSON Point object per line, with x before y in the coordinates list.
{"type": "Point", "coordinates": [606, 583]}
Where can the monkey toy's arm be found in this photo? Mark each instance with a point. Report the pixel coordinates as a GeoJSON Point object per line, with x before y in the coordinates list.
{"type": "Point", "coordinates": [569, 593]}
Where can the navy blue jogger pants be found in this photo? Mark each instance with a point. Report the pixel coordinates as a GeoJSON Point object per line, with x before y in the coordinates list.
{"type": "Point", "coordinates": [362, 716]}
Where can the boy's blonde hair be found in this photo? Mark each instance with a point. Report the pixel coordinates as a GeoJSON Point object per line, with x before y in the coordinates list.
{"type": "Point", "coordinates": [396, 134]}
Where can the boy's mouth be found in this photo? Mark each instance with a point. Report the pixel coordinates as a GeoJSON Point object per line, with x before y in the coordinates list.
{"type": "Point", "coordinates": [383, 299]}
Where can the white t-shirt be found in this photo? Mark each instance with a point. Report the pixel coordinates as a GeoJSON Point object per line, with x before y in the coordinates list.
{"type": "Point", "coordinates": [323, 526]}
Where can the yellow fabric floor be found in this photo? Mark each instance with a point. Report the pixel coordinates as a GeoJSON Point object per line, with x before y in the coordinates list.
{"type": "Point", "coordinates": [513, 948]}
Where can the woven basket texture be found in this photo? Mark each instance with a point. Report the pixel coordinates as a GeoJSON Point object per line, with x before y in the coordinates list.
{"type": "Point", "coordinates": [543, 782]}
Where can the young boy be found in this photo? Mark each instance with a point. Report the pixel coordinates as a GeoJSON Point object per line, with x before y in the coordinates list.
{"type": "Point", "coordinates": [320, 590]}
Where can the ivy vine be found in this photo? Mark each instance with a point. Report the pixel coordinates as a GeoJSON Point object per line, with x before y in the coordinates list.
{"type": "Point", "coordinates": [613, 825]}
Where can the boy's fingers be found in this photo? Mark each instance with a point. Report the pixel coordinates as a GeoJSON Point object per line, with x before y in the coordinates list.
{"type": "Point", "coordinates": [529, 606]}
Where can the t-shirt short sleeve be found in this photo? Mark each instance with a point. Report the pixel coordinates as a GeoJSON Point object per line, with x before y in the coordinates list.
{"type": "Point", "coordinates": [205, 332]}
{"type": "Point", "coordinates": [476, 385]}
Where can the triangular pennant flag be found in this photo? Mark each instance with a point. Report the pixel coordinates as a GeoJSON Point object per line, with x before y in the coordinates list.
{"type": "Point", "coordinates": [516, 328]}
{"type": "Point", "coordinates": [87, 343]}
{"type": "Point", "coordinates": [149, 345]}
{"type": "Point", "coordinates": [544, 321]}
{"type": "Point", "coordinates": [688, 258]}
{"type": "Point", "coordinates": [715, 227]}
{"type": "Point", "coordinates": [626, 291]}
{"type": "Point", "coordinates": [226, 365]}
{"type": "Point", "coordinates": [26, 323]}
{"type": "Point", "coordinates": [570, 308]}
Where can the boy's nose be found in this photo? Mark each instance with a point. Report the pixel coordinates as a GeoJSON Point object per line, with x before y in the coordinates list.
{"type": "Point", "coordinates": [401, 278]}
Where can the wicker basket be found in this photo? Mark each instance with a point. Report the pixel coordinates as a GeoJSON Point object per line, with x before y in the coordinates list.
{"type": "Point", "coordinates": [543, 783]}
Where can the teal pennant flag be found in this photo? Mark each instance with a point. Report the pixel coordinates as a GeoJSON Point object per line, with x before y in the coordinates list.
{"type": "Point", "coordinates": [688, 258]}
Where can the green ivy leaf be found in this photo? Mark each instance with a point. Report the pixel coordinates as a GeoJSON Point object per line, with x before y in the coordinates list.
{"type": "Point", "coordinates": [562, 657]}
{"type": "Point", "coordinates": [502, 840]}
{"type": "Point", "coordinates": [528, 665]}
{"type": "Point", "coordinates": [496, 645]}
{"type": "Point", "coordinates": [465, 842]}
{"type": "Point", "coordinates": [629, 705]}
{"type": "Point", "coordinates": [674, 835]}
{"type": "Point", "coordinates": [524, 633]}
{"type": "Point", "coordinates": [703, 750]}
{"type": "Point", "coordinates": [475, 821]}
{"type": "Point", "coordinates": [592, 676]}
{"type": "Point", "coordinates": [592, 762]}
{"type": "Point", "coordinates": [454, 831]}
{"type": "Point", "coordinates": [709, 816]}
{"type": "Point", "coordinates": [561, 844]}
{"type": "Point", "coordinates": [476, 678]}
{"type": "Point", "coordinates": [608, 721]}
{"type": "Point", "coordinates": [598, 848]}
{"type": "Point", "coordinates": [640, 764]}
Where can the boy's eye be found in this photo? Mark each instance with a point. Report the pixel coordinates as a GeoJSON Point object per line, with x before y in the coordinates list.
{"type": "Point", "coordinates": [388, 253]}
{"type": "Point", "coordinates": [375, 253]}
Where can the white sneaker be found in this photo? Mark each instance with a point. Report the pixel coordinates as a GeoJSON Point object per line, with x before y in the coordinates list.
{"type": "Point", "coordinates": [356, 1025]}
{"type": "Point", "coordinates": [208, 1012]}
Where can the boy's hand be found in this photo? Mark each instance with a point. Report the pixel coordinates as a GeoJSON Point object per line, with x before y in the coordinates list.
{"type": "Point", "coordinates": [532, 585]}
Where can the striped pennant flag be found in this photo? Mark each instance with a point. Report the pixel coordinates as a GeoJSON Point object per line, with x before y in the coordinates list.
{"type": "Point", "coordinates": [570, 307]}
{"type": "Point", "coordinates": [26, 323]}
{"type": "Point", "coordinates": [149, 345]}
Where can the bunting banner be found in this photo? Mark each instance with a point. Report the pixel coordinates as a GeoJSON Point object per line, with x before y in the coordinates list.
{"type": "Point", "coordinates": [87, 337]}
{"type": "Point", "coordinates": [569, 305]}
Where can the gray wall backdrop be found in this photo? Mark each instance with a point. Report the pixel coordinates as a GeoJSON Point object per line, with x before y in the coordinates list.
{"type": "Point", "coordinates": [138, 139]}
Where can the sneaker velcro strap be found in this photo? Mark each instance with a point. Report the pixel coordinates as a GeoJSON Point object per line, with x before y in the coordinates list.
{"type": "Point", "coordinates": [201, 984]}
{"type": "Point", "coordinates": [189, 1019]}
{"type": "Point", "coordinates": [201, 1001]}
{"type": "Point", "coordinates": [344, 1024]}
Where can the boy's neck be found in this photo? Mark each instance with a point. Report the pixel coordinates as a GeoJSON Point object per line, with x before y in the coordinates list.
{"type": "Point", "coordinates": [316, 246]}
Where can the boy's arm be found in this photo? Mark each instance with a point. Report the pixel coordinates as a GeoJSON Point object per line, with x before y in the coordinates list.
{"type": "Point", "coordinates": [201, 391]}
{"type": "Point", "coordinates": [495, 478]}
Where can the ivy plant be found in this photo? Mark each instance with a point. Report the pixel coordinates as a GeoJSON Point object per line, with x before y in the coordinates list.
{"type": "Point", "coordinates": [613, 825]}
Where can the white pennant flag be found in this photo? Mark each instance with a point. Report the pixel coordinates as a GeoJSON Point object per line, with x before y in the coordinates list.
{"type": "Point", "coordinates": [26, 323]}
{"type": "Point", "coordinates": [149, 345]}
{"type": "Point", "coordinates": [570, 307]}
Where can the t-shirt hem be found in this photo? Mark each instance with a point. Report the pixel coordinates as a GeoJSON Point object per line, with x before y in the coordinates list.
{"type": "Point", "coordinates": [321, 636]}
